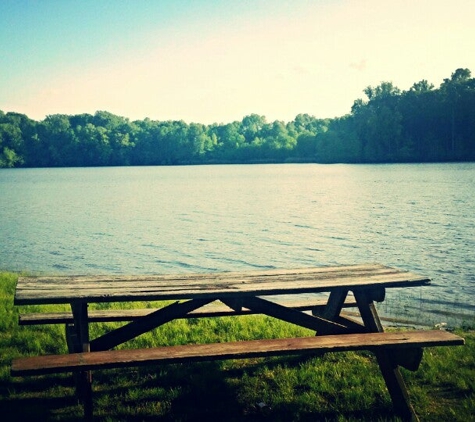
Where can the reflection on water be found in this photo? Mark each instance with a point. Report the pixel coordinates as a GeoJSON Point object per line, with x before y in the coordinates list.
{"type": "Point", "coordinates": [141, 220]}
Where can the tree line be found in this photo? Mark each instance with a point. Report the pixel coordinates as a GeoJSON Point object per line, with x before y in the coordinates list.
{"type": "Point", "coordinates": [422, 124]}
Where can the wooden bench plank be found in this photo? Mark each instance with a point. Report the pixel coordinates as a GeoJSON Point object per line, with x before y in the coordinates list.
{"type": "Point", "coordinates": [39, 365]}
{"type": "Point", "coordinates": [120, 315]}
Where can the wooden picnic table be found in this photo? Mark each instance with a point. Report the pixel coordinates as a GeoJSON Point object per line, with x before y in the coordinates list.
{"type": "Point", "coordinates": [238, 290]}
{"type": "Point", "coordinates": [250, 290]}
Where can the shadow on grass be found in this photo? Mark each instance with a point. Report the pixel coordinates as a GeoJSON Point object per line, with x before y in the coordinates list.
{"type": "Point", "coordinates": [40, 409]}
{"type": "Point", "coordinates": [178, 393]}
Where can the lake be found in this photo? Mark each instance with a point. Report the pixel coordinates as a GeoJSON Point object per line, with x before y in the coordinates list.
{"type": "Point", "coordinates": [143, 220]}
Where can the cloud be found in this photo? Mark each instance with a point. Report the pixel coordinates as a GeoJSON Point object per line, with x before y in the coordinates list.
{"type": "Point", "coordinates": [301, 70]}
{"type": "Point", "coordinates": [359, 66]}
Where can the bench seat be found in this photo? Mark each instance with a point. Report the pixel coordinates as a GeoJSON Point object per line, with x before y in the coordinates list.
{"type": "Point", "coordinates": [39, 365]}
{"type": "Point", "coordinates": [120, 315]}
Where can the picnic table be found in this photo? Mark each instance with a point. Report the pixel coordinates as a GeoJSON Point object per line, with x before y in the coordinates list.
{"type": "Point", "coordinates": [268, 292]}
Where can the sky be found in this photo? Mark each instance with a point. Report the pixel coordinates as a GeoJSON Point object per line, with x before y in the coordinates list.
{"type": "Point", "coordinates": [216, 61]}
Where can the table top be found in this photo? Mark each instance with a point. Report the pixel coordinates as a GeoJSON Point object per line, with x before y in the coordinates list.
{"type": "Point", "coordinates": [121, 288]}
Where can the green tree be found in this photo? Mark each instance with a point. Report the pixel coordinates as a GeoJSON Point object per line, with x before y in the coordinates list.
{"type": "Point", "coordinates": [229, 140]}
{"type": "Point", "coordinates": [11, 145]}
{"type": "Point", "coordinates": [252, 126]}
{"type": "Point", "coordinates": [423, 123]}
{"type": "Point", "coordinates": [306, 147]}
{"type": "Point", "coordinates": [56, 142]}
{"type": "Point", "coordinates": [421, 87]}
{"type": "Point", "coordinates": [278, 144]}
{"type": "Point", "coordinates": [458, 90]}
{"type": "Point", "coordinates": [201, 142]}
{"type": "Point", "coordinates": [378, 123]}
{"type": "Point", "coordinates": [340, 143]}
{"type": "Point", "coordinates": [92, 145]}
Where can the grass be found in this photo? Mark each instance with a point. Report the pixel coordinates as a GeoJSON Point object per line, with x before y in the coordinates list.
{"type": "Point", "coordinates": [334, 387]}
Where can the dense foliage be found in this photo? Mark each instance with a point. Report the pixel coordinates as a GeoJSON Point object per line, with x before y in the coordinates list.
{"type": "Point", "coordinates": [421, 124]}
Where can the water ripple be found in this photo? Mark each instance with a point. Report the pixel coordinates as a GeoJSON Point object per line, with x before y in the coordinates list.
{"type": "Point", "coordinates": [221, 218]}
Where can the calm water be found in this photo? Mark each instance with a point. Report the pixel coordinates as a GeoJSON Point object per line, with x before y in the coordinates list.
{"type": "Point", "coordinates": [139, 220]}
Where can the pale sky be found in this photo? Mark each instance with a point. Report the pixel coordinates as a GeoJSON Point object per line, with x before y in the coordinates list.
{"type": "Point", "coordinates": [216, 61]}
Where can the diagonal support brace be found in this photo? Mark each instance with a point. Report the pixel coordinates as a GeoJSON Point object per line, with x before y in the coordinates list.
{"type": "Point", "coordinates": [321, 325]}
{"type": "Point", "coordinates": [146, 323]}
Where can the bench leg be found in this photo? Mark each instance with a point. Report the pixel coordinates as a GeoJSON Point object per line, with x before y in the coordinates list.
{"type": "Point", "coordinates": [389, 368]}
{"type": "Point", "coordinates": [86, 394]}
{"type": "Point", "coordinates": [396, 387]}
{"type": "Point", "coordinates": [78, 341]}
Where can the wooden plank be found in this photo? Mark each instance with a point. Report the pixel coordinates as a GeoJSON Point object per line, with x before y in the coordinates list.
{"type": "Point", "coordinates": [120, 315]}
{"type": "Point", "coordinates": [43, 290]}
{"type": "Point", "coordinates": [199, 278]}
{"type": "Point", "coordinates": [147, 323]}
{"type": "Point", "coordinates": [39, 365]}
{"type": "Point", "coordinates": [319, 324]}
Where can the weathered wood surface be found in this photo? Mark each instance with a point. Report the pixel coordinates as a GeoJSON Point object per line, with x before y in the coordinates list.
{"type": "Point", "coordinates": [140, 326]}
{"type": "Point", "coordinates": [121, 315]}
{"type": "Point", "coordinates": [67, 289]}
{"type": "Point", "coordinates": [312, 322]}
{"type": "Point", "coordinates": [242, 349]}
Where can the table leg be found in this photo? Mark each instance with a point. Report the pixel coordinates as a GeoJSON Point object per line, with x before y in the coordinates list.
{"type": "Point", "coordinates": [368, 311]}
{"type": "Point", "coordinates": [334, 305]}
{"type": "Point", "coordinates": [332, 312]}
{"type": "Point", "coordinates": [389, 368]}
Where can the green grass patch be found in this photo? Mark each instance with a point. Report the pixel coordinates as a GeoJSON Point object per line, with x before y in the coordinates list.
{"type": "Point", "coordinates": [334, 386]}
